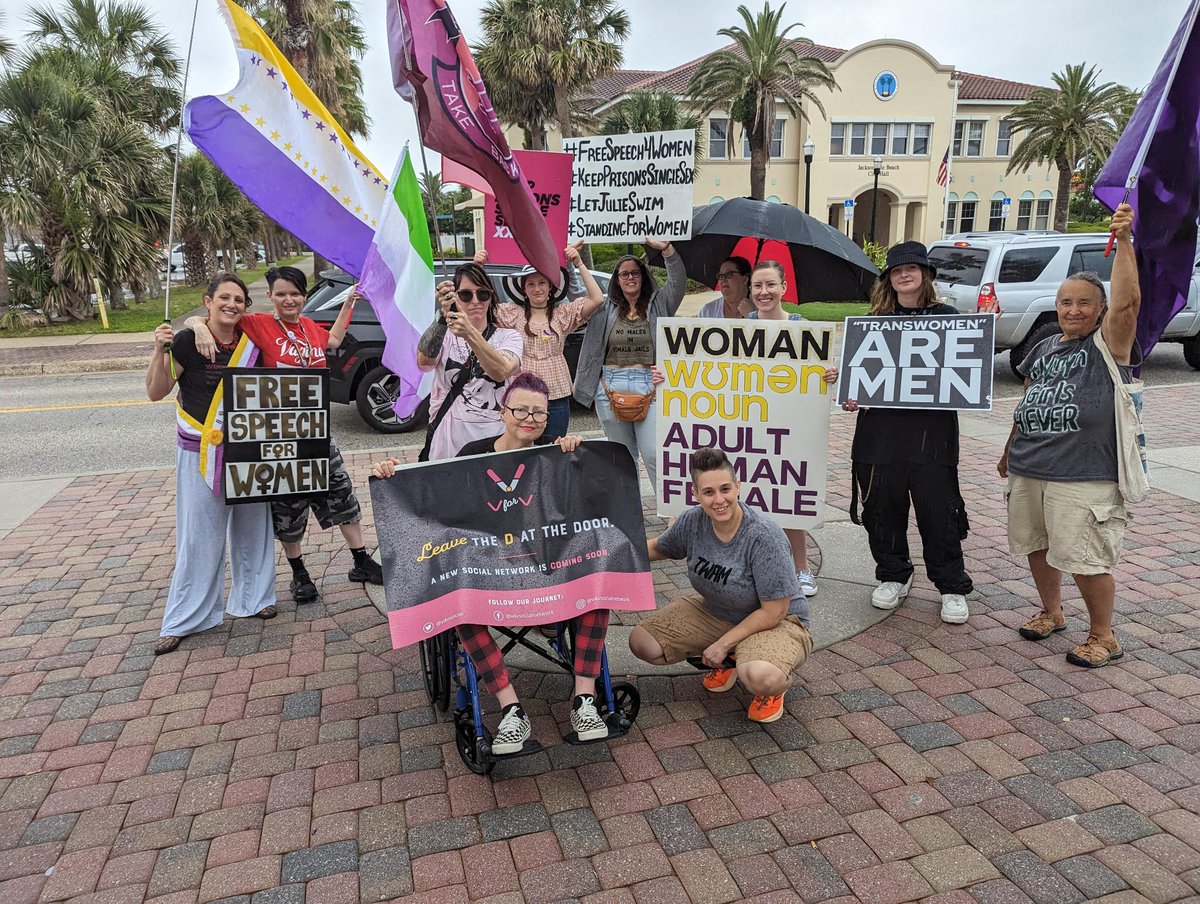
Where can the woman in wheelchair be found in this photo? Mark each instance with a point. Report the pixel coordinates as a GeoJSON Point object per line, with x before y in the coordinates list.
{"type": "Point", "coordinates": [524, 409]}
{"type": "Point", "coordinates": [747, 606]}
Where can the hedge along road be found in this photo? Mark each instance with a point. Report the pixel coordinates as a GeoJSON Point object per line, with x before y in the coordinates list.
{"type": "Point", "coordinates": [63, 426]}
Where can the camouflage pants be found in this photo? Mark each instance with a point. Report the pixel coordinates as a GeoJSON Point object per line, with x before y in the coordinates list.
{"type": "Point", "coordinates": [338, 506]}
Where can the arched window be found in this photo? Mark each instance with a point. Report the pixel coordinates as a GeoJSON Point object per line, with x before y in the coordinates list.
{"type": "Point", "coordinates": [715, 199]}
{"type": "Point", "coordinates": [966, 212]}
{"type": "Point", "coordinates": [997, 213]}
{"type": "Point", "coordinates": [951, 213]}
{"type": "Point", "coordinates": [1025, 210]}
{"type": "Point", "coordinates": [1041, 219]}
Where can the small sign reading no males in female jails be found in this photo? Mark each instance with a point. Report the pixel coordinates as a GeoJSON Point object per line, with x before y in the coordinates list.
{"type": "Point", "coordinates": [276, 442]}
{"type": "Point", "coordinates": [933, 361]}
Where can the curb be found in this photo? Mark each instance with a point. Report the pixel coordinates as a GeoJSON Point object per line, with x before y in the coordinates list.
{"type": "Point", "coordinates": [108, 365]}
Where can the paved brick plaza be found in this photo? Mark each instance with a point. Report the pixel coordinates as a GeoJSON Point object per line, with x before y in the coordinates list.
{"type": "Point", "coordinates": [296, 760]}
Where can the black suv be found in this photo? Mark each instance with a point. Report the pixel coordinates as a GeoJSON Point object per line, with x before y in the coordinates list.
{"type": "Point", "coordinates": [355, 372]}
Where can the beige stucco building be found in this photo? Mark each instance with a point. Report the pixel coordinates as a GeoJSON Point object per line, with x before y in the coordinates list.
{"type": "Point", "coordinates": [896, 103]}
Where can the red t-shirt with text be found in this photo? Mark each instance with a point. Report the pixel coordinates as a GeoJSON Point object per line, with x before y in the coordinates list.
{"type": "Point", "coordinates": [282, 344]}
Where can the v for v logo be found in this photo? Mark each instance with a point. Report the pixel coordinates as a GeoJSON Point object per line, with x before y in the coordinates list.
{"type": "Point", "coordinates": [507, 487]}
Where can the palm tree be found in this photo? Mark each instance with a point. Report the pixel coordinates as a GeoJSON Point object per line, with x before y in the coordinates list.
{"type": "Point", "coordinates": [764, 68]}
{"type": "Point", "coordinates": [81, 116]}
{"type": "Point", "coordinates": [1063, 125]}
{"type": "Point", "coordinates": [551, 49]}
{"type": "Point", "coordinates": [649, 111]}
{"type": "Point", "coordinates": [324, 41]}
{"type": "Point", "coordinates": [211, 215]}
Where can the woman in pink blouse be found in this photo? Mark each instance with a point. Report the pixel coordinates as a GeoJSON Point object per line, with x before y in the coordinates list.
{"type": "Point", "coordinates": [544, 318]}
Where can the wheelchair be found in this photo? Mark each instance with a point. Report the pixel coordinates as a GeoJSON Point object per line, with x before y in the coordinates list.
{"type": "Point", "coordinates": [449, 674]}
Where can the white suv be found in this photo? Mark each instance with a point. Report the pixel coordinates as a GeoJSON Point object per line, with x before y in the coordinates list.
{"type": "Point", "coordinates": [1023, 270]}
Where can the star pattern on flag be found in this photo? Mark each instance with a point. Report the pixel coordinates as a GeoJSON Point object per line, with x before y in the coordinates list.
{"type": "Point", "coordinates": [245, 108]}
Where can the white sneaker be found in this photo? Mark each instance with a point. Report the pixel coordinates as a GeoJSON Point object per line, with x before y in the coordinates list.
{"type": "Point", "coordinates": [954, 608]}
{"type": "Point", "coordinates": [585, 720]}
{"type": "Point", "coordinates": [512, 732]}
{"type": "Point", "coordinates": [808, 584]}
{"type": "Point", "coordinates": [890, 594]}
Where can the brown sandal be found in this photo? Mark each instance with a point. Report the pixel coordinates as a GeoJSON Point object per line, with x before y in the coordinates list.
{"type": "Point", "coordinates": [167, 644]}
{"type": "Point", "coordinates": [266, 612]}
{"type": "Point", "coordinates": [1041, 626]}
{"type": "Point", "coordinates": [1095, 652]}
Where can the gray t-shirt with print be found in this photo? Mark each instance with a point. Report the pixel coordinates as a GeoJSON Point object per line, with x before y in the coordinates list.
{"type": "Point", "coordinates": [1065, 421]}
{"type": "Point", "coordinates": [736, 577]}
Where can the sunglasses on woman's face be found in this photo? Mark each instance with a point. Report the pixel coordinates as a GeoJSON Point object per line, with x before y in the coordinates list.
{"type": "Point", "coordinates": [482, 295]}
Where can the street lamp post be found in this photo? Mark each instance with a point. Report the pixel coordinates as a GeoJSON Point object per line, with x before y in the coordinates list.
{"type": "Point", "coordinates": [875, 197]}
{"type": "Point", "coordinates": [809, 147]}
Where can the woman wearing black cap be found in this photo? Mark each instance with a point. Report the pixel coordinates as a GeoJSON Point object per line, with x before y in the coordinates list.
{"type": "Point", "coordinates": [544, 318]}
{"type": "Point", "coordinates": [898, 454]}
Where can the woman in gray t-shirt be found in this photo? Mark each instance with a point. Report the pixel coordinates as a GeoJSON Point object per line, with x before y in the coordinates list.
{"type": "Point", "coordinates": [748, 604]}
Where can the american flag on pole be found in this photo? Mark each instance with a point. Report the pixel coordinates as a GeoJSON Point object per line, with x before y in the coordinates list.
{"type": "Point", "coordinates": [944, 168]}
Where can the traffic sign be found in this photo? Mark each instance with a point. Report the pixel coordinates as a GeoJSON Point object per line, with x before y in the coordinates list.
{"type": "Point", "coordinates": [849, 205]}
{"type": "Point", "coordinates": [1007, 202]}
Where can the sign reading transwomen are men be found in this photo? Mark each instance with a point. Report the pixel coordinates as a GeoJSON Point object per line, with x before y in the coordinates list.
{"type": "Point", "coordinates": [629, 187]}
{"type": "Point", "coordinates": [932, 361]}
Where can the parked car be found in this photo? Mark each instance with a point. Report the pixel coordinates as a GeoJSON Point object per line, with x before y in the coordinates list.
{"type": "Point", "coordinates": [1023, 270]}
{"type": "Point", "coordinates": [179, 264]}
{"type": "Point", "coordinates": [356, 371]}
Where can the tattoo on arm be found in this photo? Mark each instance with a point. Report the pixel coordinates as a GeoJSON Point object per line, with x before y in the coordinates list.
{"type": "Point", "coordinates": [430, 343]}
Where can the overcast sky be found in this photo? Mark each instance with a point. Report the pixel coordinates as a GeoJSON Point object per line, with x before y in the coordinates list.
{"type": "Point", "coordinates": [1024, 40]}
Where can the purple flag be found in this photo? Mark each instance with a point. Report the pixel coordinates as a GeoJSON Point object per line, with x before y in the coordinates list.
{"type": "Point", "coordinates": [1160, 148]}
{"type": "Point", "coordinates": [432, 68]}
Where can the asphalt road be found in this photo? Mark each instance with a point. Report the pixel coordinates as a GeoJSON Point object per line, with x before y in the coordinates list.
{"type": "Point", "coordinates": [61, 426]}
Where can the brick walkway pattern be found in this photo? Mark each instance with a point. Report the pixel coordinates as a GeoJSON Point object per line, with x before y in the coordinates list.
{"type": "Point", "coordinates": [295, 760]}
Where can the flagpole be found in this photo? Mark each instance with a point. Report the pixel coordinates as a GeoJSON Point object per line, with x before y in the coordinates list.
{"type": "Point", "coordinates": [187, 65]}
{"type": "Point", "coordinates": [949, 162]}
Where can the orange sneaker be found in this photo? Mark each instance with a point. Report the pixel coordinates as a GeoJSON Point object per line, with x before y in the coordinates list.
{"type": "Point", "coordinates": [765, 708]}
{"type": "Point", "coordinates": [720, 680]}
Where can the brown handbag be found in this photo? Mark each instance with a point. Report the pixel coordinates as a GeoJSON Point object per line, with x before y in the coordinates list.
{"type": "Point", "coordinates": [628, 406]}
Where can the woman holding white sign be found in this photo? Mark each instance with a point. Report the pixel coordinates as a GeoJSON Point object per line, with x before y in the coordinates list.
{"type": "Point", "coordinates": [767, 285]}
{"type": "Point", "coordinates": [204, 524]}
{"type": "Point", "coordinates": [900, 455]}
{"type": "Point", "coordinates": [616, 363]}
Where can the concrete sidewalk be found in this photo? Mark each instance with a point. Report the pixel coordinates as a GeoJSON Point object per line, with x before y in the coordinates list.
{"type": "Point", "coordinates": [296, 760]}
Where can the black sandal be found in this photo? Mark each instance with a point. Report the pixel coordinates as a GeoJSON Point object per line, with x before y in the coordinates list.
{"type": "Point", "coordinates": [167, 644]}
{"type": "Point", "coordinates": [266, 612]}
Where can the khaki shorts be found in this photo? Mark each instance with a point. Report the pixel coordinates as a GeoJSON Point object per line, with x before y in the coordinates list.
{"type": "Point", "coordinates": [1080, 524]}
{"type": "Point", "coordinates": [685, 627]}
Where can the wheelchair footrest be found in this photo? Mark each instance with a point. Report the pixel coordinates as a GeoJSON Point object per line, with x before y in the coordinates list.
{"type": "Point", "coordinates": [532, 746]}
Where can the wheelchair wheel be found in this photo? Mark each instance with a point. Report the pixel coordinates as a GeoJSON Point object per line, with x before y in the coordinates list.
{"type": "Point", "coordinates": [435, 669]}
{"type": "Point", "coordinates": [476, 754]}
{"type": "Point", "coordinates": [627, 701]}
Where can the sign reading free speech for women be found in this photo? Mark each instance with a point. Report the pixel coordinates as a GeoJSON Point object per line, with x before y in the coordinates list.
{"type": "Point", "coordinates": [756, 389]}
{"type": "Point", "coordinates": [629, 187]}
{"type": "Point", "coordinates": [932, 361]}
{"type": "Point", "coordinates": [276, 442]}
{"type": "Point", "coordinates": [526, 538]}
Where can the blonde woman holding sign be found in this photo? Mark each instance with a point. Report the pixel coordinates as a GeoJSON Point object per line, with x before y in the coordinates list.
{"type": "Point", "coordinates": [204, 524]}
{"type": "Point", "coordinates": [767, 285]}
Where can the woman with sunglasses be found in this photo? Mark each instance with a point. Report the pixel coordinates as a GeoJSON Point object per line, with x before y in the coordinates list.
{"type": "Point", "coordinates": [472, 360]}
{"type": "Point", "coordinates": [618, 352]}
{"type": "Point", "coordinates": [525, 409]}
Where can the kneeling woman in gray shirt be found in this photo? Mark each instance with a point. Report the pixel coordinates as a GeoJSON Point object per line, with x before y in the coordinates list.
{"type": "Point", "coordinates": [747, 606]}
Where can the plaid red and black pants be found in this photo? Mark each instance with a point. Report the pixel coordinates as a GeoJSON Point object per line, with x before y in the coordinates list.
{"type": "Point", "coordinates": [591, 628]}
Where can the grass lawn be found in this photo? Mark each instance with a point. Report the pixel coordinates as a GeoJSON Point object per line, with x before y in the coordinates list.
{"type": "Point", "coordinates": [831, 311]}
{"type": "Point", "coordinates": [139, 318]}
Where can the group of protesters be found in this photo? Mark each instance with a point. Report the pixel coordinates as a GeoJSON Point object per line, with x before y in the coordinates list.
{"type": "Point", "coordinates": [501, 382]}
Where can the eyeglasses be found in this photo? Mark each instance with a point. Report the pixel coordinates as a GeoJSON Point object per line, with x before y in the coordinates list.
{"type": "Point", "coordinates": [728, 274]}
{"type": "Point", "coordinates": [630, 274]}
{"type": "Point", "coordinates": [537, 414]}
{"type": "Point", "coordinates": [482, 295]}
